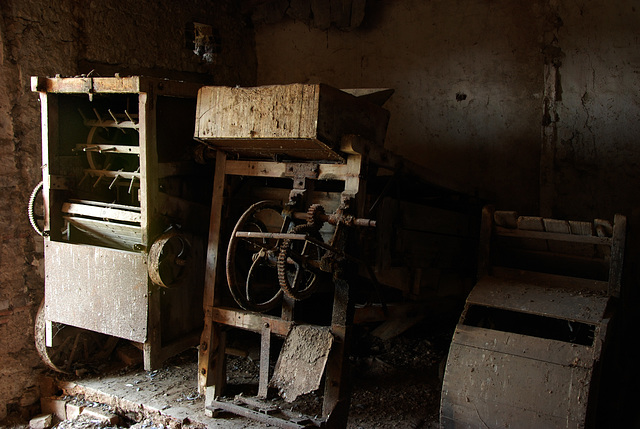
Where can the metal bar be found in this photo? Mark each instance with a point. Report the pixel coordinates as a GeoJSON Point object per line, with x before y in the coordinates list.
{"type": "Point", "coordinates": [255, 415]}
{"type": "Point", "coordinates": [276, 235]}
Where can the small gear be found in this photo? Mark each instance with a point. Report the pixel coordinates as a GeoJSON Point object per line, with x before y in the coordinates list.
{"type": "Point", "coordinates": [314, 215]}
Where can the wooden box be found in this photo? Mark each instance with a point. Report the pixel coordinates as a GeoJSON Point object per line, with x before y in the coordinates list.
{"type": "Point", "coordinates": [297, 121]}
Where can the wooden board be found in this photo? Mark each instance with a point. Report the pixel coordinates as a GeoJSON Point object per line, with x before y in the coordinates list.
{"type": "Point", "coordinates": [103, 290]}
{"type": "Point", "coordinates": [297, 121]}
{"type": "Point", "coordinates": [301, 363]}
{"type": "Point", "coordinates": [587, 307]}
{"type": "Point", "coordinates": [484, 388]}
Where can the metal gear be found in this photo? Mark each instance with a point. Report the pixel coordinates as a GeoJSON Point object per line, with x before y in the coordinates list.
{"type": "Point", "coordinates": [297, 277]}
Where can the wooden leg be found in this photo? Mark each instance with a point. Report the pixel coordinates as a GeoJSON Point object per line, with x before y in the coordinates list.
{"type": "Point", "coordinates": [212, 342]}
{"type": "Point", "coordinates": [337, 390]}
{"type": "Point", "coordinates": [151, 350]}
{"type": "Point", "coordinates": [265, 349]}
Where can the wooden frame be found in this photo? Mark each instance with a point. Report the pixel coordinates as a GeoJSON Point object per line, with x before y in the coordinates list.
{"type": "Point", "coordinates": [113, 298]}
{"type": "Point", "coordinates": [211, 362]}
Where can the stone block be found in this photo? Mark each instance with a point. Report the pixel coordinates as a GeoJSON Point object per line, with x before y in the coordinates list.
{"type": "Point", "coordinates": [43, 421]}
{"type": "Point", "coordinates": [103, 416]}
{"type": "Point", "coordinates": [73, 410]}
{"type": "Point", "coordinates": [55, 406]}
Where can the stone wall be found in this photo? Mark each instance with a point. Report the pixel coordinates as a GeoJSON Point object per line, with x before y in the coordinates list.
{"type": "Point", "coordinates": [71, 37]}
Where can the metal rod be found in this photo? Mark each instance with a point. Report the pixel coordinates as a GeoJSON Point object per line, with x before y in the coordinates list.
{"type": "Point", "coordinates": [276, 235]}
{"type": "Point", "coordinates": [113, 116]}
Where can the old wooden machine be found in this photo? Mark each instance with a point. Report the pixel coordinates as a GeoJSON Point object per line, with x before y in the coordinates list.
{"type": "Point", "coordinates": [125, 217]}
{"type": "Point", "coordinates": [529, 347]}
{"type": "Point", "coordinates": [312, 216]}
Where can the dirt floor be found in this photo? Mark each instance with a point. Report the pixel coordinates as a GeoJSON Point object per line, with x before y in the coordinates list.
{"type": "Point", "coordinates": [395, 384]}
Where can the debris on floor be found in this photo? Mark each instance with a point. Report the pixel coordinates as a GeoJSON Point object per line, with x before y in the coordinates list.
{"type": "Point", "coordinates": [395, 383]}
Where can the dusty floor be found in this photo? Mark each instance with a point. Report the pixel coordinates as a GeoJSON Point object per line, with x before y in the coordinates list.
{"type": "Point", "coordinates": [396, 384]}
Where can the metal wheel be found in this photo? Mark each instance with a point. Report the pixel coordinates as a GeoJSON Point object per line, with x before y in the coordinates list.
{"type": "Point", "coordinates": [252, 262]}
{"type": "Point", "coordinates": [72, 348]}
{"type": "Point", "coordinates": [35, 210]}
{"type": "Point", "coordinates": [299, 263]}
{"type": "Point", "coordinates": [168, 259]}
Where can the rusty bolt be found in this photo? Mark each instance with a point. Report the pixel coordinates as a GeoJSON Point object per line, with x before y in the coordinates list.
{"type": "Point", "coordinates": [204, 346]}
{"type": "Point", "coordinates": [203, 371]}
{"type": "Point", "coordinates": [266, 325]}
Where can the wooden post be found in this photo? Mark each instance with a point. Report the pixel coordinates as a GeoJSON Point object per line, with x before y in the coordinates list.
{"type": "Point", "coordinates": [617, 254]}
{"type": "Point", "coordinates": [211, 358]}
{"type": "Point", "coordinates": [484, 254]}
{"type": "Point", "coordinates": [265, 349]}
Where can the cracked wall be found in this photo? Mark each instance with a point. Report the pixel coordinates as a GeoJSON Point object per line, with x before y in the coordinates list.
{"type": "Point", "coordinates": [71, 37]}
{"type": "Point", "coordinates": [593, 160]}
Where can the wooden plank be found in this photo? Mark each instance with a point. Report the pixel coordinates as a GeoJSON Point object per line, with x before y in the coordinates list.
{"type": "Point", "coordinates": [617, 254]}
{"type": "Point", "coordinates": [559, 227]}
{"type": "Point", "coordinates": [586, 229]}
{"type": "Point", "coordinates": [484, 247]}
{"type": "Point", "coordinates": [524, 346]}
{"type": "Point", "coordinates": [506, 219]}
{"type": "Point", "coordinates": [526, 224]}
{"type": "Point", "coordinates": [110, 234]}
{"type": "Point", "coordinates": [101, 212]}
{"type": "Point", "coordinates": [249, 321]}
{"type": "Point", "coordinates": [210, 343]}
{"type": "Point", "coordinates": [541, 235]}
{"type": "Point", "coordinates": [484, 388]}
{"type": "Point", "coordinates": [281, 169]}
{"type": "Point", "coordinates": [284, 112]}
{"type": "Point", "coordinates": [526, 297]}
{"type": "Point", "coordinates": [302, 361]}
{"type": "Point", "coordinates": [74, 296]}
{"type": "Point", "coordinates": [549, 280]}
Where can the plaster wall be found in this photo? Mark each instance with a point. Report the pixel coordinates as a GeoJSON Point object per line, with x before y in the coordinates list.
{"type": "Point", "coordinates": [594, 159]}
{"type": "Point", "coordinates": [72, 37]}
{"type": "Point", "coordinates": [468, 84]}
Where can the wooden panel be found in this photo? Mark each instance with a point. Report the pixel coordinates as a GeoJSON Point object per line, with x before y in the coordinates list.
{"type": "Point", "coordinates": [530, 223]}
{"type": "Point", "coordinates": [483, 388]}
{"type": "Point", "coordinates": [552, 351]}
{"type": "Point", "coordinates": [529, 298]}
{"type": "Point", "coordinates": [103, 290]}
{"type": "Point", "coordinates": [298, 121]}
{"type": "Point", "coordinates": [110, 234]}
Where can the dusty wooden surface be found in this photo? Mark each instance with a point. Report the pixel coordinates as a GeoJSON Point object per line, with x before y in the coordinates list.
{"type": "Point", "coordinates": [296, 121]}
{"type": "Point", "coordinates": [87, 286]}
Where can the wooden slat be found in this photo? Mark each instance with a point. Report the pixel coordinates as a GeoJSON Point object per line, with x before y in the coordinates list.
{"type": "Point", "coordinates": [280, 169]}
{"type": "Point", "coordinates": [101, 212]}
{"type": "Point", "coordinates": [537, 349]}
{"type": "Point", "coordinates": [118, 234]}
{"type": "Point", "coordinates": [526, 297]}
{"type": "Point", "coordinates": [249, 321]}
{"type": "Point", "coordinates": [530, 223]}
{"type": "Point", "coordinates": [506, 219]}
{"type": "Point", "coordinates": [559, 227]}
{"type": "Point", "coordinates": [541, 235]}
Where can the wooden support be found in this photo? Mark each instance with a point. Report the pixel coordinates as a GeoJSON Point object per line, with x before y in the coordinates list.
{"type": "Point", "coordinates": [486, 229]}
{"type": "Point", "coordinates": [211, 338]}
{"type": "Point", "coordinates": [617, 254]}
{"type": "Point", "coordinates": [265, 349]}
